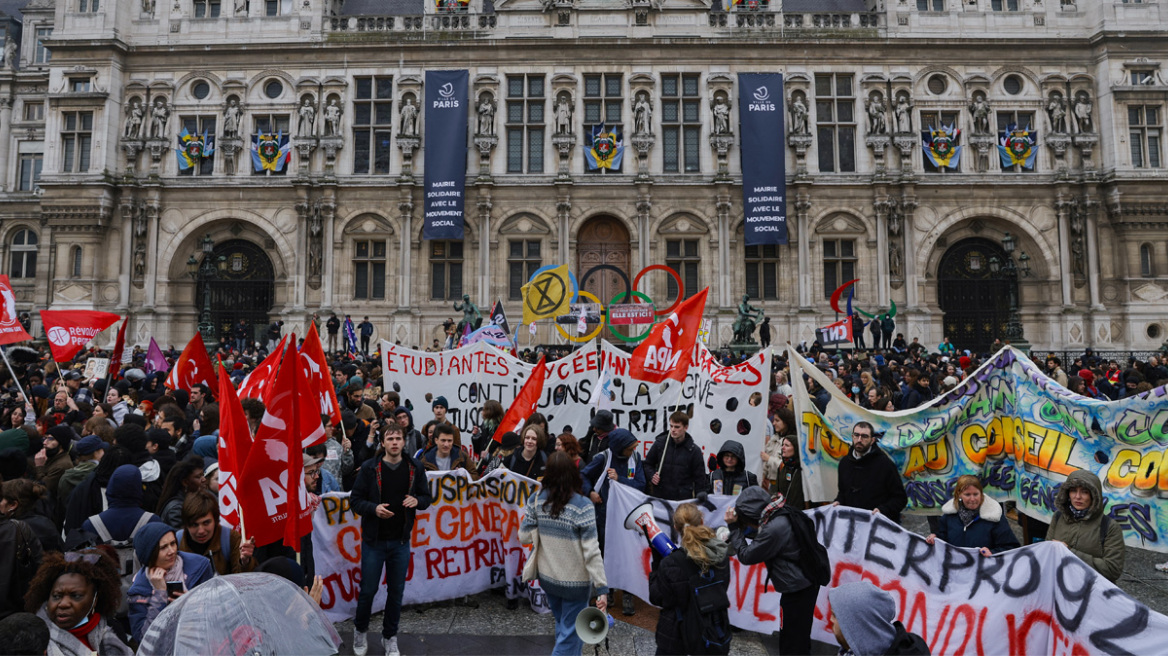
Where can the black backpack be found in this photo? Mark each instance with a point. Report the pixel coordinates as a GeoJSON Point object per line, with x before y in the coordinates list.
{"type": "Point", "coordinates": [907, 644]}
{"type": "Point", "coordinates": [813, 559]}
{"type": "Point", "coordinates": [704, 624]}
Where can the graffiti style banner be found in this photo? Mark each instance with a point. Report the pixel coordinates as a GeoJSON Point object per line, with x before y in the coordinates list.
{"type": "Point", "coordinates": [1039, 599]}
{"type": "Point", "coordinates": [1016, 429]}
{"type": "Point", "coordinates": [445, 163]}
{"type": "Point", "coordinates": [764, 177]}
{"type": "Point", "coordinates": [467, 541]}
{"type": "Point", "coordinates": [724, 402]}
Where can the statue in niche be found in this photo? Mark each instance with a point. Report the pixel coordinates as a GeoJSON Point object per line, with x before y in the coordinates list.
{"type": "Point", "coordinates": [159, 115]}
{"type": "Point", "coordinates": [139, 261]}
{"type": "Point", "coordinates": [563, 115]}
{"type": "Point", "coordinates": [979, 109]}
{"type": "Point", "coordinates": [895, 261]}
{"type": "Point", "coordinates": [409, 119]}
{"type": "Point", "coordinates": [1056, 111]}
{"type": "Point", "coordinates": [148, 8]}
{"type": "Point", "coordinates": [133, 129]}
{"type": "Point", "coordinates": [486, 114]}
{"type": "Point", "coordinates": [1083, 112]}
{"type": "Point", "coordinates": [332, 119]}
{"type": "Point", "coordinates": [231, 119]}
{"type": "Point", "coordinates": [306, 125]}
{"type": "Point", "coordinates": [877, 119]}
{"type": "Point", "coordinates": [643, 114]}
{"type": "Point", "coordinates": [798, 116]}
{"type": "Point", "coordinates": [748, 319]}
{"type": "Point", "coordinates": [721, 112]}
{"type": "Point", "coordinates": [10, 53]}
{"type": "Point", "coordinates": [903, 115]}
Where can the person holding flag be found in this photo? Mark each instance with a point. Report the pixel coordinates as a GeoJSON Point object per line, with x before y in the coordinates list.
{"type": "Point", "coordinates": [350, 337]}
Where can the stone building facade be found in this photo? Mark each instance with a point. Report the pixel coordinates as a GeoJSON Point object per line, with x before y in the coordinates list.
{"type": "Point", "coordinates": [96, 213]}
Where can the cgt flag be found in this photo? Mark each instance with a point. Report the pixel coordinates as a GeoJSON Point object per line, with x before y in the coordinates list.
{"type": "Point", "coordinates": [547, 295]}
{"type": "Point", "coordinates": [316, 373]}
{"type": "Point", "coordinates": [445, 174]}
{"type": "Point", "coordinates": [234, 446]}
{"type": "Point", "coordinates": [525, 403]}
{"type": "Point", "coordinates": [764, 177]}
{"type": "Point", "coordinates": [11, 330]}
{"type": "Point", "coordinates": [668, 350]}
{"type": "Point", "coordinates": [70, 330]}
{"type": "Point", "coordinates": [192, 367]}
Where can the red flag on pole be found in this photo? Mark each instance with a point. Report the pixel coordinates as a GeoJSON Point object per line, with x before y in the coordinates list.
{"type": "Point", "coordinates": [234, 445]}
{"type": "Point", "coordinates": [668, 350]}
{"type": "Point", "coordinates": [316, 373]}
{"type": "Point", "coordinates": [525, 403]}
{"type": "Point", "coordinates": [70, 330]}
{"type": "Point", "coordinates": [11, 331]}
{"type": "Point", "coordinates": [192, 367]}
{"type": "Point", "coordinates": [119, 350]}
{"type": "Point", "coordinates": [260, 381]}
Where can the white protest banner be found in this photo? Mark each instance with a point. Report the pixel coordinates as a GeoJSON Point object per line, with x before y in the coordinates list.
{"type": "Point", "coordinates": [1039, 599]}
{"type": "Point", "coordinates": [724, 402]}
{"type": "Point", "coordinates": [1013, 427]}
{"type": "Point", "coordinates": [96, 368]}
{"type": "Point", "coordinates": [467, 541]}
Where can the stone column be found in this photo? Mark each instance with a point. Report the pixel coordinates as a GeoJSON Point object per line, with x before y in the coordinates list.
{"type": "Point", "coordinates": [644, 216]}
{"type": "Point", "coordinates": [1093, 255]}
{"type": "Point", "coordinates": [6, 121]}
{"type": "Point", "coordinates": [405, 208]}
{"type": "Point", "coordinates": [564, 217]}
{"type": "Point", "coordinates": [484, 207]}
{"type": "Point", "coordinates": [911, 283]}
{"type": "Point", "coordinates": [725, 277]}
{"type": "Point", "coordinates": [883, 278]}
{"type": "Point", "coordinates": [303, 216]}
{"type": "Point", "coordinates": [326, 261]}
{"type": "Point", "coordinates": [802, 205]}
{"type": "Point", "coordinates": [1063, 207]}
{"type": "Point", "coordinates": [125, 267]}
{"type": "Point", "coordinates": [152, 213]}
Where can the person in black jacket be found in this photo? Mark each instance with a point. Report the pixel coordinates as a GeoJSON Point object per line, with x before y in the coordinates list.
{"type": "Point", "coordinates": [731, 476]}
{"type": "Point", "coordinates": [868, 478]}
{"type": "Point", "coordinates": [701, 551]}
{"type": "Point", "coordinates": [333, 326]}
{"type": "Point", "coordinates": [674, 465]}
{"type": "Point", "coordinates": [389, 491]}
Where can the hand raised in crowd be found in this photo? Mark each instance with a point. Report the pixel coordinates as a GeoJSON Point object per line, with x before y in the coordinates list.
{"type": "Point", "coordinates": [246, 550]}
{"type": "Point", "coordinates": [40, 458]}
{"type": "Point", "coordinates": [383, 511]}
{"type": "Point", "coordinates": [410, 502]}
{"type": "Point", "coordinates": [317, 589]}
{"type": "Point", "coordinates": [731, 516]}
{"type": "Point", "coordinates": [157, 577]}
{"type": "Point", "coordinates": [195, 425]}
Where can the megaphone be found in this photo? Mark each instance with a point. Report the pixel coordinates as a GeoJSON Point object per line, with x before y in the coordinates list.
{"type": "Point", "coordinates": [641, 520]}
{"type": "Point", "coordinates": [592, 625]}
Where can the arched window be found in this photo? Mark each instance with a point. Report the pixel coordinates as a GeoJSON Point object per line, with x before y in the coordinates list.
{"type": "Point", "coordinates": [23, 252]}
{"type": "Point", "coordinates": [75, 262]}
{"type": "Point", "coordinates": [1146, 268]}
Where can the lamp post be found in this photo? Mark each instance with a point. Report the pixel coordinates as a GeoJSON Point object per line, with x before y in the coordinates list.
{"type": "Point", "coordinates": [1010, 271]}
{"type": "Point", "coordinates": [207, 271]}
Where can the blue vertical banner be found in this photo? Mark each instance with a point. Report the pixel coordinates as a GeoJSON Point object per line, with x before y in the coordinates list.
{"type": "Point", "coordinates": [445, 176]}
{"type": "Point", "coordinates": [764, 175]}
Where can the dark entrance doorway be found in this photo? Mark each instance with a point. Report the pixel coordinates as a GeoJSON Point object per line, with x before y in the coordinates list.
{"type": "Point", "coordinates": [975, 302]}
{"type": "Point", "coordinates": [244, 288]}
{"type": "Point", "coordinates": [603, 241]}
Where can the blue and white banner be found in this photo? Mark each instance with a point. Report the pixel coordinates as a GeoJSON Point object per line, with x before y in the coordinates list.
{"type": "Point", "coordinates": [764, 176]}
{"type": "Point", "coordinates": [445, 170]}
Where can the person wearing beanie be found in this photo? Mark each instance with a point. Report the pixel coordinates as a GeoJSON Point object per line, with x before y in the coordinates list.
{"type": "Point", "coordinates": [863, 618]}
{"type": "Point", "coordinates": [507, 446]}
{"type": "Point", "coordinates": [441, 416]}
{"type": "Point", "coordinates": [596, 439]}
{"type": "Point", "coordinates": [166, 575]}
{"type": "Point", "coordinates": [53, 460]}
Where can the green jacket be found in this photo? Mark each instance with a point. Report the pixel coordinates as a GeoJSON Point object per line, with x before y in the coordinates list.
{"type": "Point", "coordinates": [71, 479]}
{"type": "Point", "coordinates": [1106, 556]}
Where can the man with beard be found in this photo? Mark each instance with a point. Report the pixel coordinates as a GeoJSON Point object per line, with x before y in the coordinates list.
{"type": "Point", "coordinates": [354, 400]}
{"type": "Point", "coordinates": [53, 460]}
{"type": "Point", "coordinates": [868, 478]}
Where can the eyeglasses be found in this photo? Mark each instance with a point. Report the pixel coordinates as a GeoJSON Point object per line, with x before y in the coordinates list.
{"type": "Point", "coordinates": [860, 435]}
{"type": "Point", "coordinates": [90, 557]}
{"type": "Point", "coordinates": [312, 472]}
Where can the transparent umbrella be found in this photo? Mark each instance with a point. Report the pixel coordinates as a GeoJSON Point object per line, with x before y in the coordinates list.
{"type": "Point", "coordinates": [255, 614]}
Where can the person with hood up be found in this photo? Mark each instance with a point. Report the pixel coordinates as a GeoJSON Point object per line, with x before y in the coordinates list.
{"type": "Point", "coordinates": [619, 463]}
{"type": "Point", "coordinates": [89, 451]}
{"type": "Point", "coordinates": [669, 581]}
{"type": "Point", "coordinates": [868, 478]}
{"type": "Point", "coordinates": [674, 465]}
{"type": "Point", "coordinates": [166, 575]}
{"type": "Point", "coordinates": [124, 494]}
{"type": "Point", "coordinates": [971, 519]}
{"type": "Point", "coordinates": [414, 439]}
{"type": "Point", "coordinates": [863, 618]}
{"type": "Point", "coordinates": [774, 543]}
{"type": "Point", "coordinates": [133, 438]}
{"type": "Point", "coordinates": [1081, 524]}
{"type": "Point", "coordinates": [731, 476]}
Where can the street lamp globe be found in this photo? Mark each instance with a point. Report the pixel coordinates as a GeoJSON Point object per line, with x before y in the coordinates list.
{"type": "Point", "coordinates": [1008, 243]}
{"type": "Point", "coordinates": [192, 266]}
{"type": "Point", "coordinates": [209, 245]}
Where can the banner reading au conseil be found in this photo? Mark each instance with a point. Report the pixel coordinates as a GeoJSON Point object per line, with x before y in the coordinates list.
{"type": "Point", "coordinates": [445, 170]}
{"type": "Point", "coordinates": [764, 176]}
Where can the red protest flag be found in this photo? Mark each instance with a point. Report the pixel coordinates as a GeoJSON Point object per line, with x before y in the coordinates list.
{"type": "Point", "coordinates": [259, 382]}
{"type": "Point", "coordinates": [11, 331]}
{"type": "Point", "coordinates": [234, 446]}
{"type": "Point", "coordinates": [525, 403]}
{"type": "Point", "coordinates": [316, 373]}
{"type": "Point", "coordinates": [119, 350]}
{"type": "Point", "coordinates": [668, 350]}
{"type": "Point", "coordinates": [192, 367]}
{"type": "Point", "coordinates": [70, 330]}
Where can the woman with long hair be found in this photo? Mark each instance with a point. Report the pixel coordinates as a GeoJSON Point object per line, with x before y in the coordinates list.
{"type": "Point", "coordinates": [75, 594]}
{"type": "Point", "coordinates": [702, 553]}
{"type": "Point", "coordinates": [184, 478]}
{"type": "Point", "coordinates": [568, 443]}
{"type": "Point", "coordinates": [484, 433]}
{"type": "Point", "coordinates": [23, 499]}
{"type": "Point", "coordinates": [570, 567]}
{"type": "Point", "coordinates": [529, 460]}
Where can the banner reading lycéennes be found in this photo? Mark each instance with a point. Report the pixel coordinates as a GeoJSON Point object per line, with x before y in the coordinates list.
{"type": "Point", "coordinates": [764, 177]}
{"type": "Point", "coordinates": [1016, 429]}
{"type": "Point", "coordinates": [445, 170]}
{"type": "Point", "coordinates": [1039, 599]}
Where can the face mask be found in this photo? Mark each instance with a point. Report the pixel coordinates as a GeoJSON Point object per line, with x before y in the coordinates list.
{"type": "Point", "coordinates": [87, 615]}
{"type": "Point", "coordinates": [855, 390]}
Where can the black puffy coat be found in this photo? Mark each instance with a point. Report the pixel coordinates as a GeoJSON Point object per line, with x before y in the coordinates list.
{"type": "Point", "coordinates": [683, 474]}
{"type": "Point", "coordinates": [739, 478]}
{"type": "Point", "coordinates": [669, 589]}
{"type": "Point", "coordinates": [871, 481]}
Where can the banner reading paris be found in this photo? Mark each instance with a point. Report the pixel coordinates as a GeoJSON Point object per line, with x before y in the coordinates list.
{"type": "Point", "coordinates": [764, 176]}
{"type": "Point", "coordinates": [445, 170]}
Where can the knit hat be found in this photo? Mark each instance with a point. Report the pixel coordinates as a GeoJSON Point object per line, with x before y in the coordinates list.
{"type": "Point", "coordinates": [964, 361]}
{"type": "Point", "coordinates": [206, 446]}
{"type": "Point", "coordinates": [865, 614]}
{"type": "Point", "coordinates": [147, 539]}
{"type": "Point", "coordinates": [14, 438]}
{"type": "Point", "coordinates": [89, 445]}
{"type": "Point", "coordinates": [64, 434]}
{"type": "Point", "coordinates": [440, 401]}
{"type": "Point", "coordinates": [1087, 377]}
{"type": "Point", "coordinates": [510, 440]}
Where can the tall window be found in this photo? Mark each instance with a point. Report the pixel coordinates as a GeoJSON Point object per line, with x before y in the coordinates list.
{"type": "Point", "coordinates": [446, 270]}
{"type": "Point", "coordinates": [681, 123]}
{"type": "Point", "coordinates": [602, 103]}
{"type": "Point", "coordinates": [930, 5]}
{"type": "Point", "coordinates": [369, 270]}
{"type": "Point", "coordinates": [41, 54]}
{"type": "Point", "coordinates": [681, 255]}
{"type": "Point", "coordinates": [75, 262]}
{"type": "Point", "coordinates": [277, 7]}
{"type": "Point", "coordinates": [525, 123]}
{"type": "Point", "coordinates": [206, 8]}
{"type": "Point", "coordinates": [87, 6]}
{"type": "Point", "coordinates": [1004, 5]}
{"type": "Point", "coordinates": [523, 259]}
{"type": "Point", "coordinates": [372, 124]}
{"type": "Point", "coordinates": [1144, 125]}
{"type": "Point", "coordinates": [23, 254]}
{"type": "Point", "coordinates": [275, 125]}
{"type": "Point", "coordinates": [77, 139]}
{"type": "Point", "coordinates": [1022, 120]}
{"type": "Point", "coordinates": [198, 126]}
{"type": "Point", "coordinates": [762, 272]}
{"type": "Point", "coordinates": [34, 111]}
{"type": "Point", "coordinates": [32, 160]}
{"type": "Point", "coordinates": [1146, 268]}
{"type": "Point", "coordinates": [839, 263]}
{"type": "Point", "coordinates": [934, 120]}
{"type": "Point", "coordinates": [836, 122]}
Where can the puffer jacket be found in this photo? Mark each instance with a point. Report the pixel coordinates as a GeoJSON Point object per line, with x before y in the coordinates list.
{"type": "Point", "coordinates": [773, 544]}
{"type": "Point", "coordinates": [989, 529]}
{"type": "Point", "coordinates": [725, 482]}
{"type": "Point", "coordinates": [669, 589]}
{"type": "Point", "coordinates": [683, 474]}
{"type": "Point", "coordinates": [1081, 536]}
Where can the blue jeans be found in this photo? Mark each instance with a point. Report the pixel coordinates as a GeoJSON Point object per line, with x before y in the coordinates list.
{"type": "Point", "coordinates": [565, 612]}
{"type": "Point", "coordinates": [394, 556]}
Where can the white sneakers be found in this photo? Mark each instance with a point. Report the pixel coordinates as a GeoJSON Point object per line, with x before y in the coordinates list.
{"type": "Point", "coordinates": [390, 645]}
{"type": "Point", "coordinates": [360, 644]}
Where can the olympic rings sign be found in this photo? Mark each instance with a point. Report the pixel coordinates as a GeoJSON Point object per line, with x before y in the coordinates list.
{"type": "Point", "coordinates": [631, 292]}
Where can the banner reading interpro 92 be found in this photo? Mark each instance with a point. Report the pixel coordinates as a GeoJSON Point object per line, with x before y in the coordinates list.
{"type": "Point", "coordinates": [445, 176]}
{"type": "Point", "coordinates": [764, 176]}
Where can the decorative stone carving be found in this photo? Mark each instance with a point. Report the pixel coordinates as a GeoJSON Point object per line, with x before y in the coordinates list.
{"type": "Point", "coordinates": [642, 115]}
{"type": "Point", "coordinates": [486, 145]}
{"type": "Point", "coordinates": [159, 115]}
{"type": "Point", "coordinates": [563, 113]}
{"type": "Point", "coordinates": [228, 148]}
{"type": "Point", "coordinates": [979, 112]}
{"type": "Point", "coordinates": [982, 145]}
{"type": "Point", "coordinates": [563, 144]}
{"type": "Point", "coordinates": [485, 110]}
{"type": "Point", "coordinates": [798, 111]}
{"type": "Point", "coordinates": [133, 123]}
{"type": "Point", "coordinates": [877, 114]}
{"type": "Point", "coordinates": [1082, 112]}
{"type": "Point", "coordinates": [408, 118]}
{"type": "Point", "coordinates": [720, 111]}
{"type": "Point", "coordinates": [306, 118]}
{"type": "Point", "coordinates": [332, 118]}
{"type": "Point", "coordinates": [232, 115]}
{"type": "Point", "coordinates": [903, 113]}
{"type": "Point", "coordinates": [1056, 111]}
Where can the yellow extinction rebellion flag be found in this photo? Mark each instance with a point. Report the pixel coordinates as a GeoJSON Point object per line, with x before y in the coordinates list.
{"type": "Point", "coordinates": [547, 295]}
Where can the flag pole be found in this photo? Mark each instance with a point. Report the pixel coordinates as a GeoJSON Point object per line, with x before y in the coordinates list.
{"type": "Point", "coordinates": [15, 378]}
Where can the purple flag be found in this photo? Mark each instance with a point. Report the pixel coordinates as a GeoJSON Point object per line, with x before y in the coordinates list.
{"type": "Point", "coordinates": [155, 361]}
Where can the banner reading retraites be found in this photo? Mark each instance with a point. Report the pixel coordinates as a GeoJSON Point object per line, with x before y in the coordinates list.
{"type": "Point", "coordinates": [725, 403]}
{"type": "Point", "coordinates": [445, 163]}
{"type": "Point", "coordinates": [1040, 599]}
{"type": "Point", "coordinates": [467, 541]}
{"type": "Point", "coordinates": [1016, 429]}
{"type": "Point", "coordinates": [764, 176]}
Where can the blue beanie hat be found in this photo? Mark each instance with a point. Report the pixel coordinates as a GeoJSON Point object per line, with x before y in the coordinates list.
{"type": "Point", "coordinates": [206, 446]}
{"type": "Point", "coordinates": [147, 539]}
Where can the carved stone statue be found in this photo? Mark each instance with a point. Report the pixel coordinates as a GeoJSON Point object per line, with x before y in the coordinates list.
{"type": "Point", "coordinates": [148, 7]}
{"type": "Point", "coordinates": [903, 115]}
{"type": "Point", "coordinates": [563, 115]}
{"type": "Point", "coordinates": [314, 253]}
{"type": "Point", "coordinates": [409, 119]}
{"type": "Point", "coordinates": [486, 112]}
{"type": "Point", "coordinates": [231, 118]}
{"type": "Point", "coordinates": [139, 261]}
{"type": "Point", "coordinates": [332, 119]}
{"type": "Point", "coordinates": [798, 116]}
{"type": "Point", "coordinates": [10, 53]}
{"type": "Point", "coordinates": [895, 261]}
{"type": "Point", "coordinates": [747, 321]}
{"type": "Point", "coordinates": [877, 118]}
{"type": "Point", "coordinates": [979, 109]}
{"type": "Point", "coordinates": [1083, 113]}
{"type": "Point", "coordinates": [306, 126]}
{"type": "Point", "coordinates": [643, 115]}
{"type": "Point", "coordinates": [470, 314]}
{"type": "Point", "coordinates": [133, 129]}
{"type": "Point", "coordinates": [159, 115]}
{"type": "Point", "coordinates": [721, 112]}
{"type": "Point", "coordinates": [1056, 111]}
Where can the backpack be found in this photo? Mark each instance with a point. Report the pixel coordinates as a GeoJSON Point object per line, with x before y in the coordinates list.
{"type": "Point", "coordinates": [906, 643]}
{"type": "Point", "coordinates": [128, 564]}
{"type": "Point", "coordinates": [813, 559]}
{"type": "Point", "coordinates": [704, 624]}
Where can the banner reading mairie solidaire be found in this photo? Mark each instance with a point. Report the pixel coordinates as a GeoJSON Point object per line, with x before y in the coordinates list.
{"type": "Point", "coordinates": [445, 175]}
{"type": "Point", "coordinates": [764, 176]}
